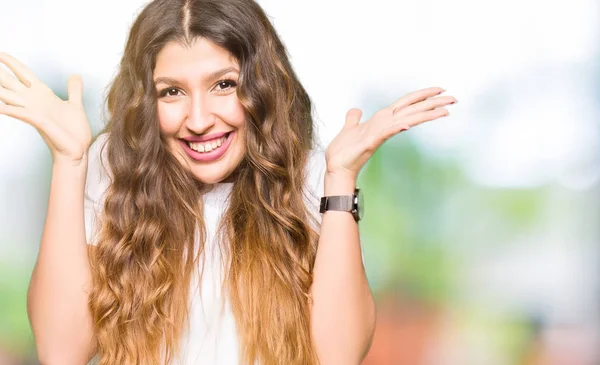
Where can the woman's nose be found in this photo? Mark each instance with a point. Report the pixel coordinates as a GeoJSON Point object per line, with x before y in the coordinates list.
{"type": "Point", "coordinates": [200, 116]}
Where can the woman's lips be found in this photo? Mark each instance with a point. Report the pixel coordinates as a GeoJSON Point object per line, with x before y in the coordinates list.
{"type": "Point", "coordinates": [208, 156]}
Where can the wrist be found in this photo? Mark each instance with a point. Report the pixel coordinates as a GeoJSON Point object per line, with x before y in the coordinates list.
{"type": "Point", "coordinates": [338, 184]}
{"type": "Point", "coordinates": [70, 167]}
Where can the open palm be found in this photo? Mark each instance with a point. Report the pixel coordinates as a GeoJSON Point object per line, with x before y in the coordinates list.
{"type": "Point", "coordinates": [62, 124]}
{"type": "Point", "coordinates": [356, 142]}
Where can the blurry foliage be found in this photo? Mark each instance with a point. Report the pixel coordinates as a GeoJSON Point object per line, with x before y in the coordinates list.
{"type": "Point", "coordinates": [15, 333]}
{"type": "Point", "coordinates": [508, 337]}
{"type": "Point", "coordinates": [419, 224]}
{"type": "Point", "coordinates": [403, 228]}
{"type": "Point", "coordinates": [519, 208]}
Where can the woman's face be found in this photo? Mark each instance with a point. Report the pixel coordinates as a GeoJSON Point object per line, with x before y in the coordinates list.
{"type": "Point", "coordinates": [199, 112]}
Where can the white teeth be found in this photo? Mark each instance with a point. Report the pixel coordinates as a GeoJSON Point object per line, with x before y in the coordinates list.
{"type": "Point", "coordinates": [207, 146]}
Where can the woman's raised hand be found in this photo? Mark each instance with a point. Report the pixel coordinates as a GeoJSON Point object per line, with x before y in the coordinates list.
{"type": "Point", "coordinates": [357, 142]}
{"type": "Point", "coordinates": [62, 124]}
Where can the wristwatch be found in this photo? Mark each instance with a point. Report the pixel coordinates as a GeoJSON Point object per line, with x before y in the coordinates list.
{"type": "Point", "coordinates": [346, 203]}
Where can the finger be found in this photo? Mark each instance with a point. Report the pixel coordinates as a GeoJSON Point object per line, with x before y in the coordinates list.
{"type": "Point", "coordinates": [353, 117]}
{"type": "Point", "coordinates": [18, 113]}
{"type": "Point", "coordinates": [23, 115]}
{"type": "Point", "coordinates": [75, 89]}
{"type": "Point", "coordinates": [23, 73]}
{"type": "Point", "coordinates": [419, 118]}
{"type": "Point", "coordinates": [416, 97]}
{"type": "Point", "coordinates": [428, 104]}
{"type": "Point", "coordinates": [11, 98]}
{"type": "Point", "coordinates": [8, 81]}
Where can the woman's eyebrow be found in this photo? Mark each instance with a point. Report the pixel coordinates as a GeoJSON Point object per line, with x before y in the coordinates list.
{"type": "Point", "coordinates": [221, 72]}
{"type": "Point", "coordinates": [211, 76]}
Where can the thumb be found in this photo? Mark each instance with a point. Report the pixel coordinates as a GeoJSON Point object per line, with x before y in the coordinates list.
{"type": "Point", "coordinates": [353, 117]}
{"type": "Point", "coordinates": [75, 89]}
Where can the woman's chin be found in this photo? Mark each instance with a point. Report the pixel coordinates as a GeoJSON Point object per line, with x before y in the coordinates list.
{"type": "Point", "coordinates": [213, 179]}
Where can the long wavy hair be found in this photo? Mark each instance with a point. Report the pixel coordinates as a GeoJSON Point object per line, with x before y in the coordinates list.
{"type": "Point", "coordinates": [146, 253]}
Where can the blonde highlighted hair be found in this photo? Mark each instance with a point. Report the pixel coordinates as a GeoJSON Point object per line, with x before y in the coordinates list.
{"type": "Point", "coordinates": [145, 256]}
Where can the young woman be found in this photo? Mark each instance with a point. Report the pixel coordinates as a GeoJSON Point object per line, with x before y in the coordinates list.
{"type": "Point", "coordinates": [200, 202]}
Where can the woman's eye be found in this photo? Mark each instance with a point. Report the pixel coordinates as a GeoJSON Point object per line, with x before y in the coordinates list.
{"type": "Point", "coordinates": [169, 92]}
{"type": "Point", "coordinates": [225, 85]}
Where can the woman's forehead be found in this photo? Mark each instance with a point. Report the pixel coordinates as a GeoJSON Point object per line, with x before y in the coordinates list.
{"type": "Point", "coordinates": [202, 59]}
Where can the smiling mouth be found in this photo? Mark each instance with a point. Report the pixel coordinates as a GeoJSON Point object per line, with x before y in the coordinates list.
{"type": "Point", "coordinates": [208, 146]}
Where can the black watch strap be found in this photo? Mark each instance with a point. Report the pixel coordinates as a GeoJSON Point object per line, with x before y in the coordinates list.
{"type": "Point", "coordinates": [342, 202]}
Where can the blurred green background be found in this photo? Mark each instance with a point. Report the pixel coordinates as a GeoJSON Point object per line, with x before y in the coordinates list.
{"type": "Point", "coordinates": [481, 229]}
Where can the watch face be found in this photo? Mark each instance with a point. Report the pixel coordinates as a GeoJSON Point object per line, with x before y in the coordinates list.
{"type": "Point", "coordinates": [361, 204]}
{"type": "Point", "coordinates": [358, 210]}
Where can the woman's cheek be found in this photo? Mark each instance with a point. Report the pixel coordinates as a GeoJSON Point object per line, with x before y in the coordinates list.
{"type": "Point", "coordinates": [170, 116]}
{"type": "Point", "coordinates": [236, 115]}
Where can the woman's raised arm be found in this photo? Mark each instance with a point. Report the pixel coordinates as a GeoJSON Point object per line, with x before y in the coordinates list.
{"type": "Point", "coordinates": [57, 296]}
